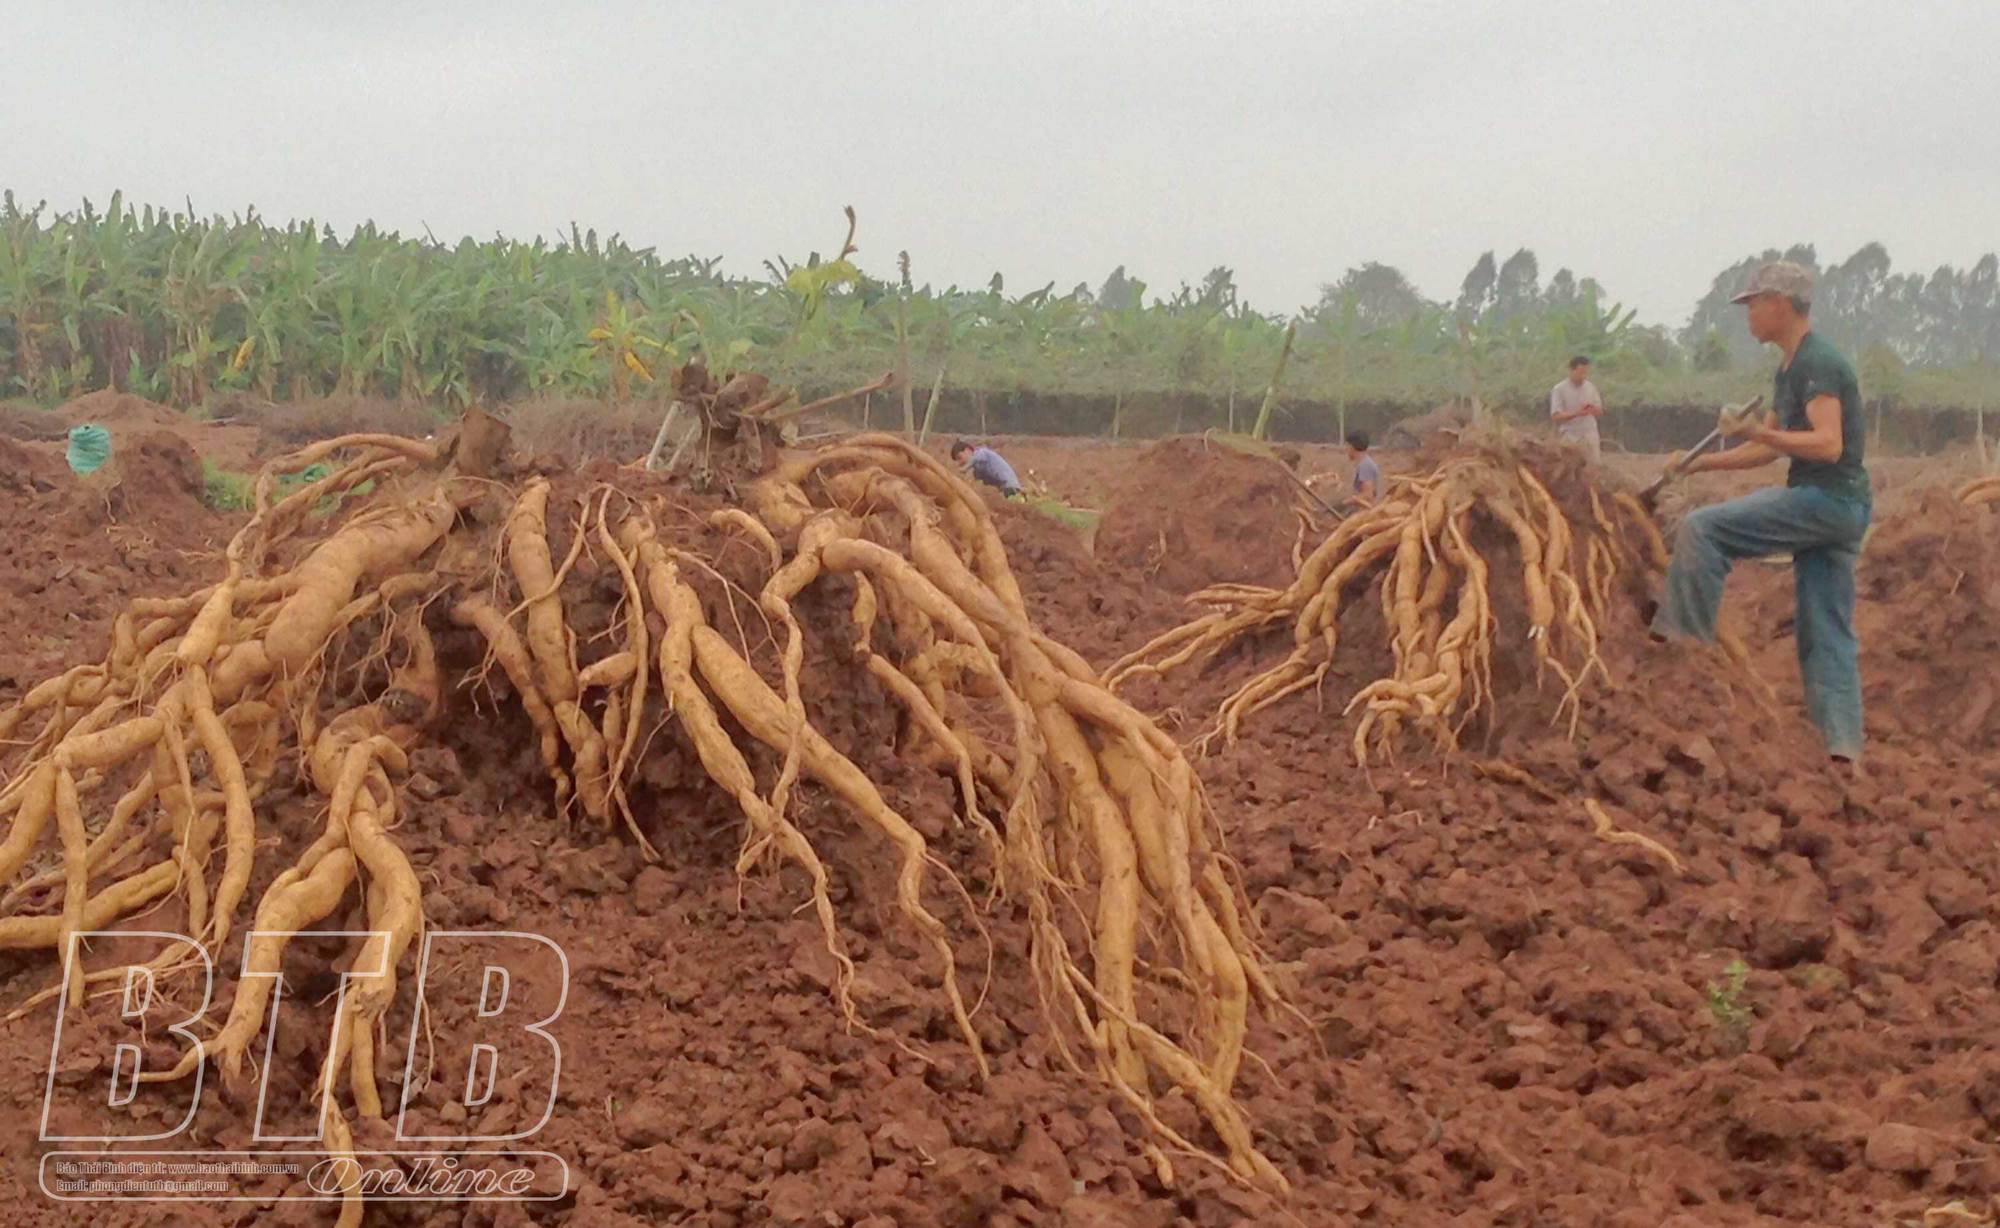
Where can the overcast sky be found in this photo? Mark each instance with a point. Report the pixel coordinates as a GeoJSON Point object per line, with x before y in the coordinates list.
{"type": "Point", "coordinates": [1644, 144]}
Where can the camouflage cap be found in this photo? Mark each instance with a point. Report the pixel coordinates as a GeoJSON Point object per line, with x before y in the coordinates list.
{"type": "Point", "coordinates": [1779, 277]}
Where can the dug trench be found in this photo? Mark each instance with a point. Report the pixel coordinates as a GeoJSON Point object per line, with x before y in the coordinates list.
{"type": "Point", "coordinates": [1511, 1021]}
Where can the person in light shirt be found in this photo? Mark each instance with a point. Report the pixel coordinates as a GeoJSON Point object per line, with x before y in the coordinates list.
{"type": "Point", "coordinates": [1575, 407]}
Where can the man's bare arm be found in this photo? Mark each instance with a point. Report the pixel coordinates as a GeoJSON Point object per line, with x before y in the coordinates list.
{"type": "Point", "coordinates": [1822, 439]}
{"type": "Point", "coordinates": [1743, 456]}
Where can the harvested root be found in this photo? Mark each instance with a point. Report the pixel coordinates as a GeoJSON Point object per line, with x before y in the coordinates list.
{"type": "Point", "coordinates": [1084, 816]}
{"type": "Point", "coordinates": [1431, 548]}
{"type": "Point", "coordinates": [1601, 824]}
{"type": "Point", "coordinates": [1979, 491]}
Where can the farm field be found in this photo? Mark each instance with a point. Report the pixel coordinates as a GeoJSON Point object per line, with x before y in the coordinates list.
{"type": "Point", "coordinates": [902, 879]}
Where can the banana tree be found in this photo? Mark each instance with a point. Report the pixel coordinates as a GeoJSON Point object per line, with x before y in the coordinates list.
{"type": "Point", "coordinates": [621, 341]}
{"type": "Point", "coordinates": [280, 305]}
{"type": "Point", "coordinates": [27, 269]}
{"type": "Point", "coordinates": [203, 272]}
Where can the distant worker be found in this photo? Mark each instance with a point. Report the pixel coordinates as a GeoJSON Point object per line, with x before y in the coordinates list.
{"type": "Point", "coordinates": [986, 465]}
{"type": "Point", "coordinates": [1367, 474]}
{"type": "Point", "coordinates": [1818, 517]}
{"type": "Point", "coordinates": [1575, 407]}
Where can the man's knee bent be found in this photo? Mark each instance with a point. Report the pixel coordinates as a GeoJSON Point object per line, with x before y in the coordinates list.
{"type": "Point", "coordinates": [1697, 531]}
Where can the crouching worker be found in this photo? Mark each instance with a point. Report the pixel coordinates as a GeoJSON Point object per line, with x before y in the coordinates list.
{"type": "Point", "coordinates": [987, 466]}
{"type": "Point", "coordinates": [1818, 517]}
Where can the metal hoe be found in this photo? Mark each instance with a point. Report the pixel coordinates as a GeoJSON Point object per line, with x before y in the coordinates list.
{"type": "Point", "coordinates": [1672, 471]}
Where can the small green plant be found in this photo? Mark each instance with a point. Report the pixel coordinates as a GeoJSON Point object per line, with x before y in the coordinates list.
{"type": "Point", "coordinates": [1725, 1000]}
{"type": "Point", "coordinates": [225, 490]}
{"type": "Point", "coordinates": [1081, 519]}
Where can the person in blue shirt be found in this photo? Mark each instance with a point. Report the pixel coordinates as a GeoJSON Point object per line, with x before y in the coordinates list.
{"type": "Point", "coordinates": [1367, 474]}
{"type": "Point", "coordinates": [987, 466]}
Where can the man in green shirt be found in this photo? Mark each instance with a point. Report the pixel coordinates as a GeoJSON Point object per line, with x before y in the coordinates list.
{"type": "Point", "coordinates": [1818, 517]}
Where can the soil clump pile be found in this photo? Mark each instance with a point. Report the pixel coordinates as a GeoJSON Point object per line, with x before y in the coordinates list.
{"type": "Point", "coordinates": [1190, 513]}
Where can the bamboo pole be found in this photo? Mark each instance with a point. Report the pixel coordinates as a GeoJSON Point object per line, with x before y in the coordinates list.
{"type": "Point", "coordinates": [1270, 406]}
{"type": "Point", "coordinates": [930, 410]}
{"type": "Point", "coordinates": [660, 440]}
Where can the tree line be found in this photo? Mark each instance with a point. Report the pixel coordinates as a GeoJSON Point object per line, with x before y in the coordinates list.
{"type": "Point", "coordinates": [185, 307]}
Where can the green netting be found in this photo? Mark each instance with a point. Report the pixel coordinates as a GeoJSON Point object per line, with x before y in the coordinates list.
{"type": "Point", "coordinates": [89, 449]}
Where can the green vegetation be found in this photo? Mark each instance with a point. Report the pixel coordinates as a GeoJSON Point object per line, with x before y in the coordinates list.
{"type": "Point", "coordinates": [225, 490]}
{"type": "Point", "coordinates": [181, 307]}
{"type": "Point", "coordinates": [1725, 1000]}
{"type": "Point", "coordinates": [1083, 520]}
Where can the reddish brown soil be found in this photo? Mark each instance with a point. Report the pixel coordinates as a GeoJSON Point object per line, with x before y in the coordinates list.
{"type": "Point", "coordinates": [1527, 1017]}
{"type": "Point", "coordinates": [30, 423]}
{"type": "Point", "coordinates": [1511, 1022]}
{"type": "Point", "coordinates": [1189, 513]}
{"type": "Point", "coordinates": [1929, 610]}
{"type": "Point", "coordinates": [72, 553]}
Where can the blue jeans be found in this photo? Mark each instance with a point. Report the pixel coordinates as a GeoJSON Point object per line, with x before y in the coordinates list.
{"type": "Point", "coordinates": [1822, 533]}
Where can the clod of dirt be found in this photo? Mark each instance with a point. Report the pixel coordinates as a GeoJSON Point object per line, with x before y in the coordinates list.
{"type": "Point", "coordinates": [1897, 1148]}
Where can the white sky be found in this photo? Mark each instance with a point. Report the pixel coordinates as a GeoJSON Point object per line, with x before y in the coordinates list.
{"type": "Point", "coordinates": [1645, 144]}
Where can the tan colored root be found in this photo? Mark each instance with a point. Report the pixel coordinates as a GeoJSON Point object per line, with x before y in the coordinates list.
{"type": "Point", "coordinates": [742, 521]}
{"type": "Point", "coordinates": [623, 711]}
{"type": "Point", "coordinates": [295, 900]}
{"type": "Point", "coordinates": [721, 759]}
{"type": "Point", "coordinates": [1601, 824]}
{"type": "Point", "coordinates": [1415, 547]}
{"type": "Point", "coordinates": [534, 571]}
{"type": "Point", "coordinates": [516, 663]}
{"type": "Point", "coordinates": [1649, 532]}
{"type": "Point", "coordinates": [1978, 491]}
{"type": "Point", "coordinates": [75, 849]}
{"type": "Point", "coordinates": [327, 578]}
{"type": "Point", "coordinates": [763, 713]}
{"type": "Point", "coordinates": [239, 822]}
{"type": "Point", "coordinates": [126, 895]}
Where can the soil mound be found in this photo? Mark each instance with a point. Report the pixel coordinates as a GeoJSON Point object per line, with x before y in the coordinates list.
{"type": "Point", "coordinates": [1514, 1021]}
{"type": "Point", "coordinates": [281, 428]}
{"type": "Point", "coordinates": [30, 423]}
{"type": "Point", "coordinates": [738, 1093]}
{"type": "Point", "coordinates": [1190, 513]}
{"type": "Point", "coordinates": [73, 551]}
{"type": "Point", "coordinates": [126, 415]}
{"type": "Point", "coordinates": [121, 411]}
{"type": "Point", "coordinates": [1065, 586]}
{"type": "Point", "coordinates": [1928, 614]}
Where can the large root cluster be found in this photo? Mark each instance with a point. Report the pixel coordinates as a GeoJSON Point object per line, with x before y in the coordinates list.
{"type": "Point", "coordinates": [1430, 550]}
{"type": "Point", "coordinates": [1091, 819]}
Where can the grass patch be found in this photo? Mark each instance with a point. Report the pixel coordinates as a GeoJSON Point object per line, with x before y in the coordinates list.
{"type": "Point", "coordinates": [1082, 519]}
{"type": "Point", "coordinates": [1725, 1000]}
{"type": "Point", "coordinates": [226, 490]}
